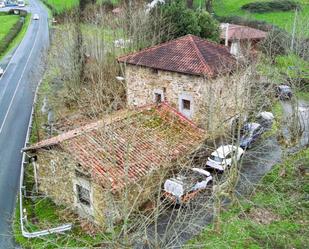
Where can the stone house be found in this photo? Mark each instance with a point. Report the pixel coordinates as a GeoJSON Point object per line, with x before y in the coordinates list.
{"type": "Point", "coordinates": [191, 74]}
{"type": "Point", "coordinates": [104, 169]}
{"type": "Point", "coordinates": [241, 39]}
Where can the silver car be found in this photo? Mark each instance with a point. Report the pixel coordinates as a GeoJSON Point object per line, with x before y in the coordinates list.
{"type": "Point", "coordinates": [186, 185]}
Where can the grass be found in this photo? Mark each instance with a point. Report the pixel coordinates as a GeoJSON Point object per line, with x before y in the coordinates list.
{"type": "Point", "coordinates": [302, 95]}
{"type": "Point", "coordinates": [282, 19]}
{"type": "Point", "coordinates": [43, 214]}
{"type": "Point", "coordinates": [113, 2]}
{"type": "Point", "coordinates": [276, 216]}
{"type": "Point", "coordinates": [7, 22]}
{"type": "Point", "coordinates": [293, 66]}
{"type": "Point", "coordinates": [19, 37]}
{"type": "Point", "coordinates": [60, 6]}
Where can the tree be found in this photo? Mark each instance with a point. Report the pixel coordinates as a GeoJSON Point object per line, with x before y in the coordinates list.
{"type": "Point", "coordinates": [209, 27]}
{"type": "Point", "coordinates": [182, 20]}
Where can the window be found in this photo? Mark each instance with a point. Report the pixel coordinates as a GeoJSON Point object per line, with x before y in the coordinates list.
{"type": "Point", "coordinates": [83, 195]}
{"type": "Point", "coordinates": [158, 98]}
{"type": "Point", "coordinates": [186, 104]}
{"type": "Point", "coordinates": [155, 71]}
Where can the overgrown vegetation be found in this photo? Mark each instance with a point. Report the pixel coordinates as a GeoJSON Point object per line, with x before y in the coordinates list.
{"type": "Point", "coordinates": [275, 216]}
{"type": "Point", "coordinates": [80, 85]}
{"type": "Point", "coordinates": [60, 6]}
{"type": "Point", "coordinates": [44, 213]}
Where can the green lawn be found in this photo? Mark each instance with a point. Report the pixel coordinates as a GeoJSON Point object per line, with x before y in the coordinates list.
{"type": "Point", "coordinates": [7, 22]}
{"type": "Point", "coordinates": [19, 37]}
{"type": "Point", "coordinates": [282, 19]}
{"type": "Point", "coordinates": [60, 6]}
{"type": "Point", "coordinates": [114, 2]}
{"type": "Point", "coordinates": [276, 216]}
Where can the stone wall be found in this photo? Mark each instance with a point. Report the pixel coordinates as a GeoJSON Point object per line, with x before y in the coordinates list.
{"type": "Point", "coordinates": [57, 176]}
{"type": "Point", "coordinates": [214, 101]}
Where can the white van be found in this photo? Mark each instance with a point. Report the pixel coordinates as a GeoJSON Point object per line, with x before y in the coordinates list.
{"type": "Point", "coordinates": [2, 4]}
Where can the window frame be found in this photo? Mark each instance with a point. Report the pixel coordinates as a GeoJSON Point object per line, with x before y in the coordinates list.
{"type": "Point", "coordinates": [84, 209]}
{"type": "Point", "coordinates": [186, 112]}
{"type": "Point", "coordinates": [158, 92]}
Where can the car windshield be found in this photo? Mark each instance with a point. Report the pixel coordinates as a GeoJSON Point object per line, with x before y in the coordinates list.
{"type": "Point", "coordinates": [216, 158]}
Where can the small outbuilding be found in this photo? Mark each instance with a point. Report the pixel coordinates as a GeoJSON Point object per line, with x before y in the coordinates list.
{"type": "Point", "coordinates": [240, 38]}
{"type": "Point", "coordinates": [105, 168]}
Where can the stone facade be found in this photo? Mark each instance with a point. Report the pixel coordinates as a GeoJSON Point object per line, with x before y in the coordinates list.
{"type": "Point", "coordinates": [58, 174]}
{"type": "Point", "coordinates": [212, 101]}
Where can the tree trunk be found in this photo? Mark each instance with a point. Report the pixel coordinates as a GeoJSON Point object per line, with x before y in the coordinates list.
{"type": "Point", "coordinates": [190, 4]}
{"type": "Point", "coordinates": [208, 4]}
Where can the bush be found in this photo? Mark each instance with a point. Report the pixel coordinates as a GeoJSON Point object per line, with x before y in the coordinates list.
{"type": "Point", "coordinates": [209, 27]}
{"type": "Point", "coordinates": [180, 21]}
{"type": "Point", "coordinates": [276, 43]}
{"type": "Point", "coordinates": [262, 25]}
{"type": "Point", "coordinates": [271, 6]}
{"type": "Point", "coordinates": [5, 42]}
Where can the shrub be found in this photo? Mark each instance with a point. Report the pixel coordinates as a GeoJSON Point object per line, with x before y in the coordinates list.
{"type": "Point", "coordinates": [271, 6]}
{"type": "Point", "coordinates": [276, 43]}
{"type": "Point", "coordinates": [209, 27]}
{"type": "Point", "coordinates": [181, 20]}
{"type": "Point", "coordinates": [257, 24]}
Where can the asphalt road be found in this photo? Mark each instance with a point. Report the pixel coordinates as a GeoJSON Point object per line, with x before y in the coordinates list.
{"type": "Point", "coordinates": [17, 87]}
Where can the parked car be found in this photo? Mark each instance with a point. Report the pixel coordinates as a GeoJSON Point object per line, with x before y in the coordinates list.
{"type": "Point", "coordinates": [284, 92]}
{"type": "Point", "coordinates": [223, 157]}
{"type": "Point", "coordinates": [21, 3]}
{"type": "Point", "coordinates": [36, 17]}
{"type": "Point", "coordinates": [1, 71]}
{"type": "Point", "coordinates": [249, 134]}
{"type": "Point", "coordinates": [186, 185]}
{"type": "Point", "coordinates": [2, 4]}
{"type": "Point", "coordinates": [265, 119]}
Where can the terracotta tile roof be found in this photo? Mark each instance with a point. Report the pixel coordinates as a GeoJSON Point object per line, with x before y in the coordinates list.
{"type": "Point", "coordinates": [239, 32]}
{"type": "Point", "coordinates": [137, 143]}
{"type": "Point", "coordinates": [188, 54]}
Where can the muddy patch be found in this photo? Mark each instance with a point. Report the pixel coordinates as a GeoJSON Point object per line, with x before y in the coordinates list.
{"type": "Point", "coordinates": [262, 216]}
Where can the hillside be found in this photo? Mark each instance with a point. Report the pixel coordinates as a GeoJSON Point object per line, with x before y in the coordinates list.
{"type": "Point", "coordinates": [282, 19]}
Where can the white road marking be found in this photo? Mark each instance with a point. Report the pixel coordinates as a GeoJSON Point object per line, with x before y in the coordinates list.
{"type": "Point", "coordinates": [22, 75]}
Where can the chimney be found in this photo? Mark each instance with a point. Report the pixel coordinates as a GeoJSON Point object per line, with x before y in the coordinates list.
{"type": "Point", "coordinates": [227, 34]}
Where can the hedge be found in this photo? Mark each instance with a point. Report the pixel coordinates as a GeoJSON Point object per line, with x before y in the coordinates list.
{"type": "Point", "coordinates": [5, 42]}
{"type": "Point", "coordinates": [262, 25]}
{"type": "Point", "coordinates": [271, 6]}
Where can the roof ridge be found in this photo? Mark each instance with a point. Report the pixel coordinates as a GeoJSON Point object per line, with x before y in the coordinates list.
{"type": "Point", "coordinates": [74, 132]}
{"type": "Point", "coordinates": [152, 47]}
{"type": "Point", "coordinates": [182, 117]}
{"type": "Point", "coordinates": [199, 54]}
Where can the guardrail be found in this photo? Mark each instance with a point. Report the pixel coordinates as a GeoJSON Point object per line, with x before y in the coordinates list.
{"type": "Point", "coordinates": [59, 229]}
